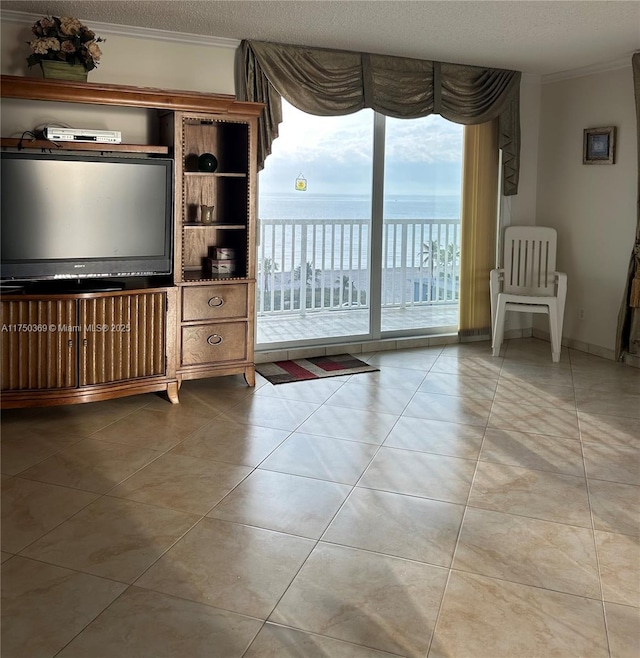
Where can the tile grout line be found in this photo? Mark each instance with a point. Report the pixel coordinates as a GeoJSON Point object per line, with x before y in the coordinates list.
{"type": "Point", "coordinates": [464, 514]}
{"type": "Point", "coordinates": [593, 527]}
{"type": "Point", "coordinates": [319, 540]}
{"type": "Point", "coordinates": [328, 637]}
{"type": "Point", "coordinates": [325, 530]}
{"type": "Point", "coordinates": [457, 544]}
{"type": "Point", "coordinates": [201, 516]}
{"type": "Point", "coordinates": [82, 630]}
{"type": "Point", "coordinates": [351, 493]}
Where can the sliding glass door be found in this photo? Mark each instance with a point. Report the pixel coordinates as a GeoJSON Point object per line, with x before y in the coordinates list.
{"type": "Point", "coordinates": [359, 229]}
{"type": "Point", "coordinates": [421, 225]}
{"type": "Point", "coordinates": [315, 229]}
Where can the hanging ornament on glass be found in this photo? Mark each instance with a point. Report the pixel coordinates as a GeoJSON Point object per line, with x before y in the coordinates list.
{"type": "Point", "coordinates": [301, 183]}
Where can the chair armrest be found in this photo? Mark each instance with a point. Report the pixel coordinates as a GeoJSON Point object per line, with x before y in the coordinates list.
{"type": "Point", "coordinates": [495, 276]}
{"type": "Point", "coordinates": [561, 293]}
{"type": "Point", "coordinates": [561, 281]}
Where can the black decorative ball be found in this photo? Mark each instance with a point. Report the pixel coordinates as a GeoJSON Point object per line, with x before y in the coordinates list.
{"type": "Point", "coordinates": [207, 162]}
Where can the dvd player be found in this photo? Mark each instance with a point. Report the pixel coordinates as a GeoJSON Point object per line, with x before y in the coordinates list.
{"type": "Point", "coordinates": [83, 135]}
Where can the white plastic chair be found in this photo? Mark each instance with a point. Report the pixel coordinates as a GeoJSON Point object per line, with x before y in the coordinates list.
{"type": "Point", "coordinates": [528, 282]}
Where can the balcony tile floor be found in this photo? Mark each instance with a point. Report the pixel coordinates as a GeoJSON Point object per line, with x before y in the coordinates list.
{"type": "Point", "coordinates": [288, 327]}
{"type": "Point", "coordinates": [452, 505]}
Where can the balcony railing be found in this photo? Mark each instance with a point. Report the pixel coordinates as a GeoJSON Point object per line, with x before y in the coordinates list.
{"type": "Point", "coordinates": [310, 264]}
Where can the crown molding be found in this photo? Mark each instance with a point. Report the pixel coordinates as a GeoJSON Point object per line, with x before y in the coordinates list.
{"type": "Point", "coordinates": [601, 67]}
{"type": "Point", "coordinates": [24, 18]}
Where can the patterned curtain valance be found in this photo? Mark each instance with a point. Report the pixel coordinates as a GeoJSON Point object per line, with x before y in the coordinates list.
{"type": "Point", "coordinates": [336, 82]}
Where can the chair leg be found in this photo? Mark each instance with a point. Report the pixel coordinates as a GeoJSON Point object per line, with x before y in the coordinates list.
{"type": "Point", "coordinates": [498, 327]}
{"type": "Point", "coordinates": [556, 338]}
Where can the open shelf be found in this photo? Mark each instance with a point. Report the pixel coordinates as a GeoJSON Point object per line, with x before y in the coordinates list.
{"type": "Point", "coordinates": [13, 142]}
{"type": "Point", "coordinates": [220, 174]}
{"type": "Point", "coordinates": [216, 226]}
{"type": "Point", "coordinates": [37, 89]}
{"type": "Point", "coordinates": [201, 275]}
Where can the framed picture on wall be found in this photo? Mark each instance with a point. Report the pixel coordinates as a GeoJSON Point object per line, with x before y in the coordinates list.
{"type": "Point", "coordinates": [599, 146]}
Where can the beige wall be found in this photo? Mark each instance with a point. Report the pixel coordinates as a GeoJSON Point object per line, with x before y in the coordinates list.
{"type": "Point", "coordinates": [127, 59]}
{"type": "Point", "coordinates": [593, 207]}
{"type": "Point", "coordinates": [521, 208]}
{"type": "Point", "coordinates": [136, 60]}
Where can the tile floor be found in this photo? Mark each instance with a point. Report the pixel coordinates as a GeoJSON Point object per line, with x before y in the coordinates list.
{"type": "Point", "coordinates": [450, 505]}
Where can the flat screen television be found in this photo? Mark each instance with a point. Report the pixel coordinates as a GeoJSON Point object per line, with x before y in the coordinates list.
{"type": "Point", "coordinates": [70, 216]}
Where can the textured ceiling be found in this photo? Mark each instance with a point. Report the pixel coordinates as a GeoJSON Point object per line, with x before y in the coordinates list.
{"type": "Point", "coordinates": [539, 36]}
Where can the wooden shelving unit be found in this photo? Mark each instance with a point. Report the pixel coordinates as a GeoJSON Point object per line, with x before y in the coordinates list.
{"type": "Point", "coordinates": [216, 336]}
{"type": "Point", "coordinates": [203, 324]}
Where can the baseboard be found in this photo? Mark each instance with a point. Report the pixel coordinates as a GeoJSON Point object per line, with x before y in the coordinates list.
{"type": "Point", "coordinates": [472, 335]}
{"type": "Point", "coordinates": [631, 360]}
{"type": "Point", "coordinates": [518, 333]}
{"type": "Point", "coordinates": [266, 356]}
{"type": "Point", "coordinates": [579, 345]}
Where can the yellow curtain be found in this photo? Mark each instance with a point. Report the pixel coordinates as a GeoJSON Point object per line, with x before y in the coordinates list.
{"type": "Point", "coordinates": [479, 227]}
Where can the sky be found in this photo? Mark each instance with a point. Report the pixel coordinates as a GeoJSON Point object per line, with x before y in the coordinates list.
{"type": "Point", "coordinates": [422, 156]}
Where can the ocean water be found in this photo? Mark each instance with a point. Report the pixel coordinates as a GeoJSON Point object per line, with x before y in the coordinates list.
{"type": "Point", "coordinates": [331, 232]}
{"type": "Point", "coordinates": [302, 205]}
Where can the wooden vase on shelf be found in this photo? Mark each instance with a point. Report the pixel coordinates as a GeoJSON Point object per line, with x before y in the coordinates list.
{"type": "Point", "coordinates": [63, 71]}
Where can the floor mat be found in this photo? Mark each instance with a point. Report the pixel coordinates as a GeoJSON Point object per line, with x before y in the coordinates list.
{"type": "Point", "coordinates": [284, 372]}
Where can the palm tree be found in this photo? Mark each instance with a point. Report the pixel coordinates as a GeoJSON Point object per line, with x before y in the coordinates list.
{"type": "Point", "coordinates": [429, 254]}
{"type": "Point", "coordinates": [267, 266]}
{"type": "Point", "coordinates": [438, 258]}
{"type": "Point", "coordinates": [312, 274]}
{"type": "Point", "coordinates": [348, 285]}
{"type": "Point", "coordinates": [435, 256]}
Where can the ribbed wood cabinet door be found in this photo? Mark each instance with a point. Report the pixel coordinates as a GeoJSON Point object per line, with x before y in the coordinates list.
{"type": "Point", "coordinates": [123, 337]}
{"type": "Point", "coordinates": [39, 343]}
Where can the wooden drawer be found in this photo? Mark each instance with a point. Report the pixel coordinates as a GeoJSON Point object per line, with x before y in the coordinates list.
{"type": "Point", "coordinates": [213, 302]}
{"type": "Point", "coordinates": [214, 343]}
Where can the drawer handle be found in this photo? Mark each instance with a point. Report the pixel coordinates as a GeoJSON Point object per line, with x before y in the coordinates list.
{"type": "Point", "coordinates": [216, 301]}
{"type": "Point", "coordinates": [216, 339]}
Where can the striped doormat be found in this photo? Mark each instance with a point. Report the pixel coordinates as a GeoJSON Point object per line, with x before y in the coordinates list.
{"type": "Point", "coordinates": [284, 372]}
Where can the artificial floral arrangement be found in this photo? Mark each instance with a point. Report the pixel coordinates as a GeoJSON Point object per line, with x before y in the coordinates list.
{"type": "Point", "coordinates": [64, 40]}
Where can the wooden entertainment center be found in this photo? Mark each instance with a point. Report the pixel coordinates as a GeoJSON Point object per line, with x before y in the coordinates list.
{"type": "Point", "coordinates": [65, 348]}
